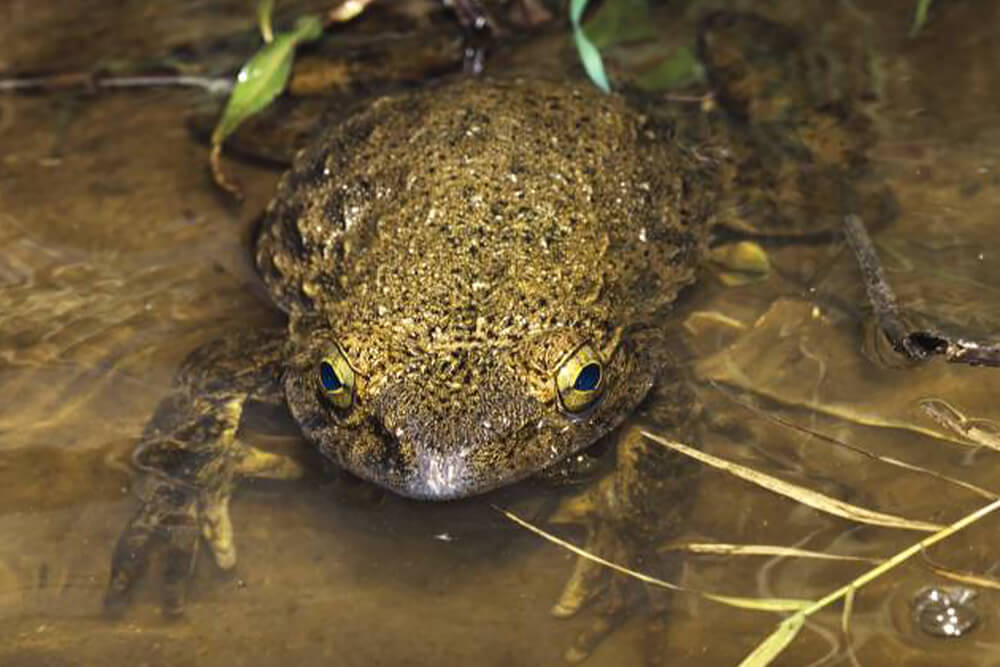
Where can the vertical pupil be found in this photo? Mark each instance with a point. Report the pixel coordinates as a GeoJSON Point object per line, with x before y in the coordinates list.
{"type": "Point", "coordinates": [328, 377]}
{"type": "Point", "coordinates": [588, 378]}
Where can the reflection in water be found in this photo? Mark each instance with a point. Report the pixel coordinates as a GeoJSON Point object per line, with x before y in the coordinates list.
{"type": "Point", "coordinates": [117, 258]}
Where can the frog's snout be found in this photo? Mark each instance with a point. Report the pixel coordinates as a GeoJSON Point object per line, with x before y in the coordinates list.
{"type": "Point", "coordinates": [438, 476]}
{"type": "Point", "coordinates": [441, 443]}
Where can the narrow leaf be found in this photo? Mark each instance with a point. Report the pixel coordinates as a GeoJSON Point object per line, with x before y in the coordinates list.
{"type": "Point", "coordinates": [930, 406]}
{"type": "Point", "coordinates": [970, 578]}
{"type": "Point", "coordinates": [265, 8]}
{"type": "Point", "coordinates": [760, 604]}
{"type": "Point", "coordinates": [261, 80]}
{"type": "Point", "coordinates": [803, 495]}
{"type": "Point", "coordinates": [982, 432]}
{"type": "Point", "coordinates": [589, 55]}
{"type": "Point", "coordinates": [264, 76]}
{"type": "Point", "coordinates": [770, 648]}
{"type": "Point", "coordinates": [919, 16]}
{"type": "Point", "coordinates": [720, 549]}
{"type": "Point", "coordinates": [845, 616]}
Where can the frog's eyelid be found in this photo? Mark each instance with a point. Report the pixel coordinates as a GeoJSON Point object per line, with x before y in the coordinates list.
{"type": "Point", "coordinates": [565, 359]}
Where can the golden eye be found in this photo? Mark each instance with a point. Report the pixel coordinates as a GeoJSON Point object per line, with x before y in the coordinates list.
{"type": "Point", "coordinates": [336, 378]}
{"type": "Point", "coordinates": [580, 380]}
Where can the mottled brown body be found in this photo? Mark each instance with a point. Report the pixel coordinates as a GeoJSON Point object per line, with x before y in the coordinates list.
{"type": "Point", "coordinates": [458, 243]}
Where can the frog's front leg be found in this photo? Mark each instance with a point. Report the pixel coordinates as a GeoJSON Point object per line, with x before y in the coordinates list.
{"type": "Point", "coordinates": [191, 457]}
{"type": "Point", "coordinates": [627, 516]}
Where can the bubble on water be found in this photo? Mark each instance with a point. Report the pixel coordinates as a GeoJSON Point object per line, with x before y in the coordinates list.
{"type": "Point", "coordinates": [946, 611]}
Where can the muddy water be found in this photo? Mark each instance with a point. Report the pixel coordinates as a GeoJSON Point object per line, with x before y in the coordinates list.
{"type": "Point", "coordinates": [117, 257]}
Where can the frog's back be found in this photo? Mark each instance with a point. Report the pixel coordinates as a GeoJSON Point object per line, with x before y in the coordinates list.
{"type": "Point", "coordinates": [480, 198]}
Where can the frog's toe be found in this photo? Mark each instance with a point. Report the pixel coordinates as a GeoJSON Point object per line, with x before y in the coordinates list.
{"type": "Point", "coordinates": [179, 562]}
{"type": "Point", "coordinates": [168, 515]}
{"type": "Point", "coordinates": [612, 596]}
{"type": "Point", "coordinates": [613, 609]}
{"type": "Point", "coordinates": [587, 582]}
{"type": "Point", "coordinates": [217, 529]}
{"type": "Point", "coordinates": [267, 465]}
{"type": "Point", "coordinates": [128, 561]}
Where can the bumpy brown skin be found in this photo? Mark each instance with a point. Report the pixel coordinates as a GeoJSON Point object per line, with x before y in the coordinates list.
{"type": "Point", "coordinates": [458, 243]}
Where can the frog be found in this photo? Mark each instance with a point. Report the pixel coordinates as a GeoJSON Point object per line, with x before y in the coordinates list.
{"type": "Point", "coordinates": [475, 276]}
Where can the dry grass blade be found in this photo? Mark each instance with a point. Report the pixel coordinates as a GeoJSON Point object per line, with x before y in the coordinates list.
{"type": "Point", "coordinates": [803, 495]}
{"type": "Point", "coordinates": [962, 576]}
{"type": "Point", "coordinates": [969, 433]}
{"type": "Point", "coordinates": [722, 549]}
{"type": "Point", "coordinates": [759, 604]}
{"type": "Point", "coordinates": [845, 617]}
{"type": "Point", "coordinates": [845, 626]}
{"type": "Point", "coordinates": [981, 432]}
{"type": "Point", "coordinates": [849, 589]}
{"type": "Point", "coordinates": [771, 647]}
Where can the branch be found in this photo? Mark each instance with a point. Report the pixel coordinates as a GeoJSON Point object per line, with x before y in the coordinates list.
{"type": "Point", "coordinates": [915, 345]}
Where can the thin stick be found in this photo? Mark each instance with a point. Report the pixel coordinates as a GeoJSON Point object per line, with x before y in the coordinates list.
{"type": "Point", "coordinates": [91, 81]}
{"type": "Point", "coordinates": [881, 296]}
{"type": "Point", "coordinates": [915, 345]}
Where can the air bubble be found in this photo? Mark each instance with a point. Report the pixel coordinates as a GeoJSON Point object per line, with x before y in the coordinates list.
{"type": "Point", "coordinates": [945, 612]}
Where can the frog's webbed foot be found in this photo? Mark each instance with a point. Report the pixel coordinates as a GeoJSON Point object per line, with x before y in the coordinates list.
{"type": "Point", "coordinates": [191, 459]}
{"type": "Point", "coordinates": [168, 516]}
{"type": "Point", "coordinates": [614, 596]}
{"type": "Point", "coordinates": [625, 517]}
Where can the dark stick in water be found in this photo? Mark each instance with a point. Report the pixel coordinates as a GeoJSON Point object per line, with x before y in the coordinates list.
{"type": "Point", "coordinates": [915, 345]}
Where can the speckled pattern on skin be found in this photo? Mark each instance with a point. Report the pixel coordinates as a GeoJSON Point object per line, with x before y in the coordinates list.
{"type": "Point", "coordinates": [458, 243]}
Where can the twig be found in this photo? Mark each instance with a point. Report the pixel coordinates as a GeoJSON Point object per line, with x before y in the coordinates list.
{"type": "Point", "coordinates": [915, 345]}
{"type": "Point", "coordinates": [92, 81]}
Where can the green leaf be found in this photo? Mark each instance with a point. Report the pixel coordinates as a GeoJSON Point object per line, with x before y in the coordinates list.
{"type": "Point", "coordinates": [589, 55]}
{"type": "Point", "coordinates": [264, 76]}
{"type": "Point", "coordinates": [264, 10]}
{"type": "Point", "coordinates": [919, 16]}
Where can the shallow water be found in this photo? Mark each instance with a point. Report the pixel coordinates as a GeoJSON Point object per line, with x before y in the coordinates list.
{"type": "Point", "coordinates": [118, 256]}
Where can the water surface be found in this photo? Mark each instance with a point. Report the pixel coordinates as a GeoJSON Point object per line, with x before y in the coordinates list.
{"type": "Point", "coordinates": [118, 256]}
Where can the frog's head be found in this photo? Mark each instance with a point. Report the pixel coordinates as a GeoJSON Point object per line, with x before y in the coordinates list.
{"type": "Point", "coordinates": [453, 416]}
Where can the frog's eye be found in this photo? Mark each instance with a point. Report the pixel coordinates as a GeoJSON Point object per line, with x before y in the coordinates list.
{"type": "Point", "coordinates": [336, 378]}
{"type": "Point", "coordinates": [580, 380]}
